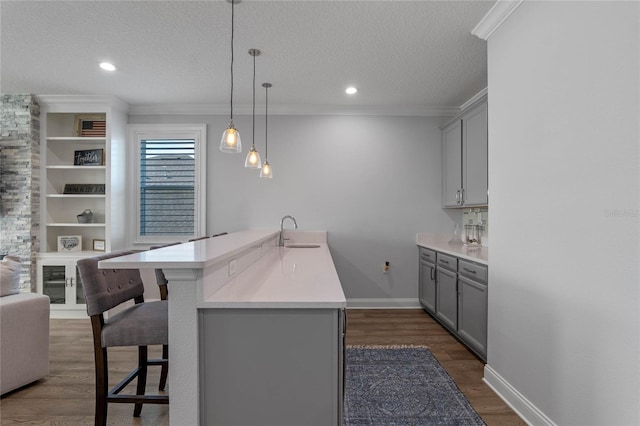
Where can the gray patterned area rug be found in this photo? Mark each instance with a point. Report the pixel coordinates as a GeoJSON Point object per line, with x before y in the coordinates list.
{"type": "Point", "coordinates": [402, 386]}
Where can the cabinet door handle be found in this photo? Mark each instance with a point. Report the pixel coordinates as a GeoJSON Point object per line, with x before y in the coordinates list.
{"type": "Point", "coordinates": [431, 273]}
{"type": "Point", "coordinates": [458, 196]}
{"type": "Point", "coordinates": [462, 196]}
{"type": "Point", "coordinates": [469, 270]}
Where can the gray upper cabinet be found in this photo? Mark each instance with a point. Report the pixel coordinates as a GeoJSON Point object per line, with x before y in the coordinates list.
{"type": "Point", "coordinates": [452, 166]}
{"type": "Point", "coordinates": [465, 162]}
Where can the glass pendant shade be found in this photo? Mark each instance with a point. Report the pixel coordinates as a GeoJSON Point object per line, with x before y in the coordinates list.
{"type": "Point", "coordinates": [253, 160]}
{"type": "Point", "coordinates": [230, 141]}
{"type": "Point", "coordinates": [265, 171]}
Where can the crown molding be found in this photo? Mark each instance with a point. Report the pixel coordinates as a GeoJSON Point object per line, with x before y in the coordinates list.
{"type": "Point", "coordinates": [475, 98]}
{"type": "Point", "coordinates": [495, 17]}
{"type": "Point", "coordinates": [83, 101]}
{"type": "Point", "coordinates": [217, 109]}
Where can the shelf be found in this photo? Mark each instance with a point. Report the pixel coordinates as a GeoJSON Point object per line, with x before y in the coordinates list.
{"type": "Point", "coordinates": [52, 282]}
{"type": "Point", "coordinates": [70, 167]}
{"type": "Point", "coordinates": [78, 225]}
{"type": "Point", "coordinates": [76, 139]}
{"type": "Point", "coordinates": [75, 195]}
{"type": "Point", "coordinates": [51, 255]}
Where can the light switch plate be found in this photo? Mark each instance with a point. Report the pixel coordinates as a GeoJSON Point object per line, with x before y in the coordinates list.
{"type": "Point", "coordinates": [232, 267]}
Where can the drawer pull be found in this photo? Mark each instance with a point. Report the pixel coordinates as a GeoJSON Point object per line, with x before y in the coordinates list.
{"type": "Point", "coordinates": [444, 261]}
{"type": "Point", "coordinates": [469, 270]}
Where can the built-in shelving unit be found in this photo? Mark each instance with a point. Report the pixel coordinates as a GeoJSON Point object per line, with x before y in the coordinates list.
{"type": "Point", "coordinates": [98, 186]}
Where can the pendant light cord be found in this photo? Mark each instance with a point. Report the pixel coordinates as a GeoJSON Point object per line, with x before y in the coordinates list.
{"type": "Point", "coordinates": [232, 18]}
{"type": "Point", "coordinates": [253, 136]}
{"type": "Point", "coordinates": [266, 115]}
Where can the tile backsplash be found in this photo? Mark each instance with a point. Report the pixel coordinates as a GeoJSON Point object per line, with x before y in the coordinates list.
{"type": "Point", "coordinates": [475, 225]}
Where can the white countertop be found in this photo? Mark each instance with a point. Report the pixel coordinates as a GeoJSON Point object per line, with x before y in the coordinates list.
{"type": "Point", "coordinates": [441, 244]}
{"type": "Point", "coordinates": [283, 277]}
{"type": "Point", "coordinates": [192, 255]}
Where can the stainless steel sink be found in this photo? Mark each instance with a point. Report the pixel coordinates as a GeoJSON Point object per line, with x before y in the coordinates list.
{"type": "Point", "coordinates": [303, 246]}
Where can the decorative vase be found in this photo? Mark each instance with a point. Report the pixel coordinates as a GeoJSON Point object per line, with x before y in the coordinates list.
{"type": "Point", "coordinates": [85, 217]}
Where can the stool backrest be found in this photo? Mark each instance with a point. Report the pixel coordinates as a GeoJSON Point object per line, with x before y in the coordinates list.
{"type": "Point", "coordinates": [107, 288]}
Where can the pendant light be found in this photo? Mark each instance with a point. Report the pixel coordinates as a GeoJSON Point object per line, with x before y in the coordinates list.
{"type": "Point", "coordinates": [253, 160]}
{"type": "Point", "coordinates": [265, 171]}
{"type": "Point", "coordinates": [230, 141]}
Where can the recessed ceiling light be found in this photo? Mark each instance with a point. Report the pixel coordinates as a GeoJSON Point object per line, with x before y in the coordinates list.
{"type": "Point", "coordinates": [351, 90]}
{"type": "Point", "coordinates": [107, 66]}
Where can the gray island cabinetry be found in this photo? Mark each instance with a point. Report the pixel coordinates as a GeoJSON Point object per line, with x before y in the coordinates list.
{"type": "Point", "coordinates": [256, 331]}
{"type": "Point", "coordinates": [453, 288]}
{"type": "Point", "coordinates": [271, 366]}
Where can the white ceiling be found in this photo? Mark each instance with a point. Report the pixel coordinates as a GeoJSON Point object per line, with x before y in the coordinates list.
{"type": "Point", "coordinates": [414, 57]}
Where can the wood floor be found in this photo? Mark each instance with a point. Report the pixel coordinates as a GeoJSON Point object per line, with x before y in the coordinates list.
{"type": "Point", "coordinates": [65, 397]}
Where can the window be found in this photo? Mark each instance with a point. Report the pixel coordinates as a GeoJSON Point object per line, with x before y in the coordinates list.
{"type": "Point", "coordinates": [169, 182]}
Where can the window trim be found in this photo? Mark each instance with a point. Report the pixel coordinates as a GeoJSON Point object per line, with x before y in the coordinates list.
{"type": "Point", "coordinates": [138, 132]}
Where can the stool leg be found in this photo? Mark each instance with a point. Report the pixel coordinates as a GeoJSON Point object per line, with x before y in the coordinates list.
{"type": "Point", "coordinates": [102, 383]}
{"type": "Point", "coordinates": [142, 377]}
{"type": "Point", "coordinates": [165, 367]}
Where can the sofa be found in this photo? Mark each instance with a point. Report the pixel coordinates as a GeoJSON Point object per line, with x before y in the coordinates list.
{"type": "Point", "coordinates": [24, 330]}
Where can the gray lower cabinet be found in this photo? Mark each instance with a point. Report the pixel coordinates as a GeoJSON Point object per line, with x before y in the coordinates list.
{"type": "Point", "coordinates": [271, 366]}
{"type": "Point", "coordinates": [460, 292]}
{"type": "Point", "coordinates": [427, 275]}
{"type": "Point", "coordinates": [447, 304]}
{"type": "Point", "coordinates": [472, 315]}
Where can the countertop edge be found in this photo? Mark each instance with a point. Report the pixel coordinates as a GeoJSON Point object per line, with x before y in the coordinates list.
{"type": "Point", "coordinates": [473, 254]}
{"type": "Point", "coordinates": [270, 305]}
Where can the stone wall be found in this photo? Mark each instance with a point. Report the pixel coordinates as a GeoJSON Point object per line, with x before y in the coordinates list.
{"type": "Point", "coordinates": [20, 182]}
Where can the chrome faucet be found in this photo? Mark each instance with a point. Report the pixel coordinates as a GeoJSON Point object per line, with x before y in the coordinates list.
{"type": "Point", "coordinates": [295, 224]}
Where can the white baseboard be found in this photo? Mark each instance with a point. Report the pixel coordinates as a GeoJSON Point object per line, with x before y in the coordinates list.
{"type": "Point", "coordinates": [383, 303]}
{"type": "Point", "coordinates": [514, 399]}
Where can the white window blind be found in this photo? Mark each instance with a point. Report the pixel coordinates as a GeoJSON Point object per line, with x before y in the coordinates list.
{"type": "Point", "coordinates": [167, 187]}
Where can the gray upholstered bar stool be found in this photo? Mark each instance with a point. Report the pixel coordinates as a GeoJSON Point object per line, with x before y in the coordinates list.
{"type": "Point", "coordinates": [142, 324]}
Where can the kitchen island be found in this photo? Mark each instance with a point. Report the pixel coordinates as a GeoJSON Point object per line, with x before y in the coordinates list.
{"type": "Point", "coordinates": [256, 331]}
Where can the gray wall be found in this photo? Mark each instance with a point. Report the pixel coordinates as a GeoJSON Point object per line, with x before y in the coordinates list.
{"type": "Point", "coordinates": [372, 182]}
{"type": "Point", "coordinates": [565, 236]}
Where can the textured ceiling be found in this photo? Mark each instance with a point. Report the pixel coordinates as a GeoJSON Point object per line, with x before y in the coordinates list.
{"type": "Point", "coordinates": [402, 55]}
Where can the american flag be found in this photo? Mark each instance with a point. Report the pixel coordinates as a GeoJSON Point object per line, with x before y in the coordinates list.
{"type": "Point", "coordinates": [93, 128]}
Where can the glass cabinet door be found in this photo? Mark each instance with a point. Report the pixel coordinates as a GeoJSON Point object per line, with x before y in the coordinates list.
{"type": "Point", "coordinates": [54, 283]}
{"type": "Point", "coordinates": [79, 289]}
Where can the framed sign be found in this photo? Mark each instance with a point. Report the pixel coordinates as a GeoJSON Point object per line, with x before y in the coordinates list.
{"type": "Point", "coordinates": [88, 157]}
{"type": "Point", "coordinates": [69, 243]}
{"type": "Point", "coordinates": [98, 245]}
{"type": "Point", "coordinates": [83, 188]}
{"type": "Point", "coordinates": [90, 125]}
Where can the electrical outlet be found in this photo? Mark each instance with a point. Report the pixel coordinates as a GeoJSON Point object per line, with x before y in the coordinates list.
{"type": "Point", "coordinates": [233, 267]}
{"type": "Point", "coordinates": [386, 267]}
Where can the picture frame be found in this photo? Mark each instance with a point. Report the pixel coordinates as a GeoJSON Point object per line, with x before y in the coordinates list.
{"type": "Point", "coordinates": [88, 157]}
{"type": "Point", "coordinates": [84, 188]}
{"type": "Point", "coordinates": [99, 245]}
{"type": "Point", "coordinates": [90, 125]}
{"type": "Point", "coordinates": [69, 243]}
